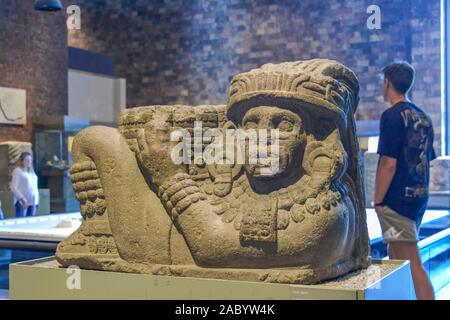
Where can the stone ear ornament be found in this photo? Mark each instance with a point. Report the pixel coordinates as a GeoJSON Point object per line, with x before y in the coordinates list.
{"type": "Point", "coordinates": [326, 159]}
{"type": "Point", "coordinates": [224, 174]}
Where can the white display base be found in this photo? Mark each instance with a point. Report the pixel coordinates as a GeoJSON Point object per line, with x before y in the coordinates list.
{"type": "Point", "coordinates": [51, 228]}
{"type": "Point", "coordinates": [44, 279]}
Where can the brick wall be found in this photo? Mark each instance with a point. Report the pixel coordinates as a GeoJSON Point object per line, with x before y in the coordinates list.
{"type": "Point", "coordinates": [426, 57]}
{"type": "Point", "coordinates": [33, 56]}
{"type": "Point", "coordinates": [174, 51]}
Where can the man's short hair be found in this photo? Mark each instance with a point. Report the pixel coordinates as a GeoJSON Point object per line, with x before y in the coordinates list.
{"type": "Point", "coordinates": [401, 75]}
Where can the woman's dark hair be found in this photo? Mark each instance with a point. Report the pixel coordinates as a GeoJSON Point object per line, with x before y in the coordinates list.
{"type": "Point", "coordinates": [23, 155]}
{"type": "Point", "coordinates": [401, 75]}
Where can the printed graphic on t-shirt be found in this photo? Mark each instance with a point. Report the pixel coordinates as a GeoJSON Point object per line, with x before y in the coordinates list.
{"type": "Point", "coordinates": [416, 151]}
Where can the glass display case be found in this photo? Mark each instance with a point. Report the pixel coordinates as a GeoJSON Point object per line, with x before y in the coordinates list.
{"type": "Point", "coordinates": [52, 146]}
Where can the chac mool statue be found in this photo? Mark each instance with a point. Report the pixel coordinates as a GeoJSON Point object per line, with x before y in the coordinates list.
{"type": "Point", "coordinates": [304, 223]}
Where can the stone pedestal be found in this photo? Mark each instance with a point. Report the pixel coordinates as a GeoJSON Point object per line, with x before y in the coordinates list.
{"type": "Point", "coordinates": [46, 279]}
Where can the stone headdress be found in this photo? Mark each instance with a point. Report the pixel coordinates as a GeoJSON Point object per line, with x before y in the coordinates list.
{"type": "Point", "coordinates": [319, 85]}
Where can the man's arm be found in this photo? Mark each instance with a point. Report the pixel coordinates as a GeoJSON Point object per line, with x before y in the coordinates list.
{"type": "Point", "coordinates": [385, 173]}
{"type": "Point", "coordinates": [392, 135]}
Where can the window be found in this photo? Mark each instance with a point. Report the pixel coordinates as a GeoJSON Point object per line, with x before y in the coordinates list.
{"type": "Point", "coordinates": [445, 48]}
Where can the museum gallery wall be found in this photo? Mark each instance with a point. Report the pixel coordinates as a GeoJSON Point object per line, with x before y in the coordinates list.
{"type": "Point", "coordinates": [196, 47]}
{"type": "Point", "coordinates": [33, 64]}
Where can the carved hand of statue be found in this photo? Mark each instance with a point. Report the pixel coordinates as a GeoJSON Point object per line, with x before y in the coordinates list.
{"type": "Point", "coordinates": [155, 151]}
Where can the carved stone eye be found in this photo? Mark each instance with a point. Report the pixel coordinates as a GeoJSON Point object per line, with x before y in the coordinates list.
{"type": "Point", "coordinates": [285, 125]}
{"type": "Point", "coordinates": [251, 124]}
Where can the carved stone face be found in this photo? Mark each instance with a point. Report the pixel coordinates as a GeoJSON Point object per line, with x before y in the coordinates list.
{"type": "Point", "coordinates": [292, 139]}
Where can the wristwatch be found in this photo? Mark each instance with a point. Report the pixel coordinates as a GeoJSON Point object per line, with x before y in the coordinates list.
{"type": "Point", "coordinates": [378, 204]}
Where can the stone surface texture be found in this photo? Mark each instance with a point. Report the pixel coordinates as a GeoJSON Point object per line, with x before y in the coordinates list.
{"type": "Point", "coordinates": [357, 280]}
{"type": "Point", "coordinates": [304, 224]}
{"type": "Point", "coordinates": [370, 174]}
{"type": "Point", "coordinates": [440, 175]}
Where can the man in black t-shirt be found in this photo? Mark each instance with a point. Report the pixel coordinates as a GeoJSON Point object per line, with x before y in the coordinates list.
{"type": "Point", "coordinates": [401, 191]}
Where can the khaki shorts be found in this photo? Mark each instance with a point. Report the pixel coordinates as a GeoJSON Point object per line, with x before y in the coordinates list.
{"type": "Point", "coordinates": [396, 227]}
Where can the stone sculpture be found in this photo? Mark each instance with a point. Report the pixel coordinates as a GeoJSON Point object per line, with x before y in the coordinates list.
{"type": "Point", "coordinates": [440, 175]}
{"type": "Point", "coordinates": [370, 173]}
{"type": "Point", "coordinates": [306, 223]}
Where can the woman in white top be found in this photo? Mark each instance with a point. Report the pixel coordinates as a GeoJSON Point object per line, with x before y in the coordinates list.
{"type": "Point", "coordinates": [1, 212]}
{"type": "Point", "coordinates": [24, 186]}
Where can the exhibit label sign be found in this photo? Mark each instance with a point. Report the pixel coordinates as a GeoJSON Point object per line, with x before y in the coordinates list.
{"type": "Point", "coordinates": [13, 106]}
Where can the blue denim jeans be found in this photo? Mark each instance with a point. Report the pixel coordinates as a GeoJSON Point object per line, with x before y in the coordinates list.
{"type": "Point", "coordinates": [24, 212]}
